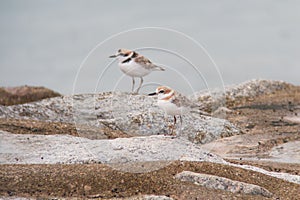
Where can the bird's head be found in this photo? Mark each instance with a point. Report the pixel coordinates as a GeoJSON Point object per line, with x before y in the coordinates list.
{"type": "Point", "coordinates": [123, 54]}
{"type": "Point", "coordinates": [163, 92]}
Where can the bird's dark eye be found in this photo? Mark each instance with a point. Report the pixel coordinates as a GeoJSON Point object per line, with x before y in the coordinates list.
{"type": "Point", "coordinates": [119, 50]}
{"type": "Point", "coordinates": [161, 91]}
{"type": "Point", "coordinates": [126, 54]}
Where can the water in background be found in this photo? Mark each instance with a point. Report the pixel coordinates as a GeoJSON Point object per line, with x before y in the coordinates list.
{"type": "Point", "coordinates": [44, 42]}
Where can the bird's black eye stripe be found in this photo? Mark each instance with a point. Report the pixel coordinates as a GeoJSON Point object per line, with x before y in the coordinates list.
{"type": "Point", "coordinates": [161, 91]}
{"type": "Point", "coordinates": [124, 54]}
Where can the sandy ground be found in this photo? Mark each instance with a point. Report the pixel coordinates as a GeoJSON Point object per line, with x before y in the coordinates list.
{"type": "Point", "coordinates": [96, 180]}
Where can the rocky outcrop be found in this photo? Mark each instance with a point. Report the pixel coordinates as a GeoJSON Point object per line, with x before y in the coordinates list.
{"type": "Point", "coordinates": [230, 96]}
{"type": "Point", "coordinates": [221, 183]}
{"type": "Point", "coordinates": [54, 149]}
{"type": "Point", "coordinates": [139, 115]}
{"type": "Point", "coordinates": [24, 94]}
{"type": "Point", "coordinates": [132, 114]}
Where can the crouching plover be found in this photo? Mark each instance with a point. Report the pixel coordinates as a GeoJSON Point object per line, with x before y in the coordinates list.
{"type": "Point", "coordinates": [135, 65]}
{"type": "Point", "coordinates": [174, 103]}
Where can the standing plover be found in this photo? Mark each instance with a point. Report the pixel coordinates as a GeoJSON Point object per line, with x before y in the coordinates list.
{"type": "Point", "coordinates": [174, 103]}
{"type": "Point", "coordinates": [135, 65]}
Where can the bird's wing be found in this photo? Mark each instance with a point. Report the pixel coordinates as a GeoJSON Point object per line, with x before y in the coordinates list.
{"type": "Point", "coordinates": [182, 101]}
{"type": "Point", "coordinates": [145, 62]}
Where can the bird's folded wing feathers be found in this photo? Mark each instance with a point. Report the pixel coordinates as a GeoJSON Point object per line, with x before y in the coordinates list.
{"type": "Point", "coordinates": [181, 100]}
{"type": "Point", "coordinates": [145, 62]}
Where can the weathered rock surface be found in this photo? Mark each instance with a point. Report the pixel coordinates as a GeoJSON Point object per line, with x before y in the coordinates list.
{"type": "Point", "coordinates": [53, 149]}
{"type": "Point", "coordinates": [287, 153]}
{"type": "Point", "coordinates": [132, 114]}
{"type": "Point", "coordinates": [221, 183]}
{"type": "Point", "coordinates": [230, 95]}
{"type": "Point", "coordinates": [270, 122]}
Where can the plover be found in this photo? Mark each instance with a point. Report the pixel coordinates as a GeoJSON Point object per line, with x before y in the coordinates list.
{"type": "Point", "coordinates": [135, 65]}
{"type": "Point", "coordinates": [173, 103]}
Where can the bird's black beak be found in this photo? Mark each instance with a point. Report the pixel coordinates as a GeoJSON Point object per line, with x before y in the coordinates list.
{"type": "Point", "coordinates": [152, 94]}
{"type": "Point", "coordinates": [113, 56]}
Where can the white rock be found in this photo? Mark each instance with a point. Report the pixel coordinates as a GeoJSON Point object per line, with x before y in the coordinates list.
{"type": "Point", "coordinates": [221, 183]}
{"type": "Point", "coordinates": [53, 149]}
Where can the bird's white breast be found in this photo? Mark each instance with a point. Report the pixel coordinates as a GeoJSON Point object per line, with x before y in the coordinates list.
{"type": "Point", "coordinates": [133, 69]}
{"type": "Point", "coordinates": [170, 108]}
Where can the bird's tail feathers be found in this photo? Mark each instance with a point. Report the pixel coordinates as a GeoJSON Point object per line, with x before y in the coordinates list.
{"type": "Point", "coordinates": [201, 112]}
{"type": "Point", "coordinates": [159, 68]}
{"type": "Point", "coordinates": [199, 109]}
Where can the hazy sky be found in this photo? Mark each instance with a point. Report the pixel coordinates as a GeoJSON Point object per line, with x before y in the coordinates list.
{"type": "Point", "coordinates": [44, 42]}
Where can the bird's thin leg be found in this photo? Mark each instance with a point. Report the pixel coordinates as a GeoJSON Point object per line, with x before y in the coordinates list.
{"type": "Point", "coordinates": [133, 82]}
{"type": "Point", "coordinates": [180, 123]}
{"type": "Point", "coordinates": [141, 83]}
{"type": "Point", "coordinates": [174, 125]}
{"type": "Point", "coordinates": [166, 123]}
